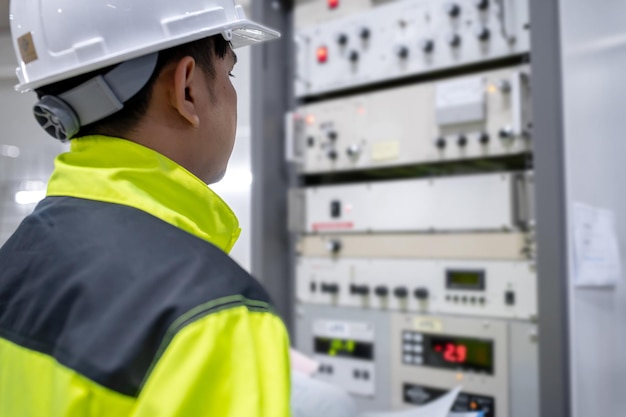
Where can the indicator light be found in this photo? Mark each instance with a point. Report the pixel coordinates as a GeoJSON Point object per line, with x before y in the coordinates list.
{"type": "Point", "coordinates": [322, 54]}
{"type": "Point", "coordinates": [333, 4]}
{"type": "Point", "coordinates": [310, 119]}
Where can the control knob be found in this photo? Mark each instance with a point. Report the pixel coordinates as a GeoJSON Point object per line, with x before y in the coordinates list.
{"type": "Point", "coordinates": [353, 151]}
{"type": "Point", "coordinates": [333, 246]}
{"type": "Point", "coordinates": [332, 135]}
{"type": "Point", "coordinates": [421, 293]}
{"type": "Point", "coordinates": [506, 133]}
{"type": "Point", "coordinates": [483, 33]}
{"type": "Point", "coordinates": [440, 143]}
{"type": "Point", "coordinates": [481, 4]}
{"type": "Point", "coordinates": [354, 56]}
{"type": "Point", "coordinates": [454, 40]}
{"type": "Point", "coordinates": [401, 292]}
{"type": "Point", "coordinates": [483, 138]}
{"type": "Point", "coordinates": [330, 288]}
{"type": "Point", "coordinates": [462, 141]}
{"type": "Point", "coordinates": [427, 45]}
{"type": "Point", "coordinates": [453, 9]}
{"type": "Point", "coordinates": [365, 34]}
{"type": "Point", "coordinates": [331, 154]}
{"type": "Point", "coordinates": [359, 289]}
{"type": "Point", "coordinates": [403, 52]}
{"type": "Point", "coordinates": [381, 291]}
{"type": "Point", "coordinates": [342, 39]}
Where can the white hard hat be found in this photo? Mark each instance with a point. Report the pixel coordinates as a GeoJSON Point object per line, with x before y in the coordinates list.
{"type": "Point", "coordinates": [58, 39]}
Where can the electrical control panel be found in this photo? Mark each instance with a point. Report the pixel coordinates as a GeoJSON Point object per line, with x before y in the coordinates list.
{"type": "Point", "coordinates": [314, 12]}
{"type": "Point", "coordinates": [496, 363]}
{"type": "Point", "coordinates": [479, 246]}
{"type": "Point", "coordinates": [485, 202]}
{"type": "Point", "coordinates": [353, 349]}
{"type": "Point", "coordinates": [478, 116]}
{"type": "Point", "coordinates": [406, 38]}
{"type": "Point", "coordinates": [472, 288]}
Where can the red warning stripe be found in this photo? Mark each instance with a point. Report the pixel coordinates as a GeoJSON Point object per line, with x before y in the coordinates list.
{"type": "Point", "coordinates": [333, 226]}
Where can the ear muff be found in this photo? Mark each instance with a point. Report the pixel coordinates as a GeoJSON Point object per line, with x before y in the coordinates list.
{"type": "Point", "coordinates": [56, 117]}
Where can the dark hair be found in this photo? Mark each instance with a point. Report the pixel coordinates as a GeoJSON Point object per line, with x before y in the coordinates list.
{"type": "Point", "coordinates": [120, 123]}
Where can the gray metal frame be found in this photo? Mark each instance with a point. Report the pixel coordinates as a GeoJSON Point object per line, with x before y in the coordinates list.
{"type": "Point", "coordinates": [271, 98]}
{"type": "Point", "coordinates": [551, 231]}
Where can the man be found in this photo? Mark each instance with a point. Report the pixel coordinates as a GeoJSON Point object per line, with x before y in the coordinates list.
{"type": "Point", "coordinates": [117, 297]}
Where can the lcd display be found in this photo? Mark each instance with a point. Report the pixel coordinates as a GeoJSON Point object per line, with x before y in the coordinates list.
{"type": "Point", "coordinates": [344, 348]}
{"type": "Point", "coordinates": [465, 280]}
{"type": "Point", "coordinates": [458, 353]}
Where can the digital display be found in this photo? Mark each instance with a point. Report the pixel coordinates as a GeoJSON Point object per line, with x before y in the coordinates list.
{"type": "Point", "coordinates": [459, 353]}
{"type": "Point", "coordinates": [344, 348]}
{"type": "Point", "coordinates": [465, 280]}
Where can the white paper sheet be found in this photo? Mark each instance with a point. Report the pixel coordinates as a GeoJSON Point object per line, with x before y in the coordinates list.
{"type": "Point", "coordinates": [437, 408]}
{"type": "Point", "coordinates": [313, 398]}
{"type": "Point", "coordinates": [596, 252]}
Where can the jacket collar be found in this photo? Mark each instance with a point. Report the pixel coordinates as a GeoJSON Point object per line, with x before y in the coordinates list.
{"type": "Point", "coordinates": [119, 171]}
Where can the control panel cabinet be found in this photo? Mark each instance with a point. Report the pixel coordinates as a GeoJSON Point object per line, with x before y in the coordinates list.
{"type": "Point", "coordinates": [478, 116]}
{"type": "Point", "coordinates": [407, 38]}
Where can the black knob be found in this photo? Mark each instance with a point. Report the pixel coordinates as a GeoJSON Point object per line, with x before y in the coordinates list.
{"type": "Point", "coordinates": [401, 292]}
{"type": "Point", "coordinates": [354, 56]}
{"type": "Point", "coordinates": [310, 141]}
{"type": "Point", "coordinates": [483, 33]}
{"type": "Point", "coordinates": [428, 45]}
{"type": "Point", "coordinates": [454, 40]}
{"type": "Point", "coordinates": [483, 138]}
{"type": "Point", "coordinates": [330, 288]}
{"type": "Point", "coordinates": [506, 133]}
{"type": "Point", "coordinates": [332, 135]}
{"type": "Point", "coordinates": [381, 291]}
{"type": "Point", "coordinates": [359, 289]}
{"type": "Point", "coordinates": [441, 143]}
{"type": "Point", "coordinates": [462, 141]}
{"type": "Point", "coordinates": [333, 246]}
{"type": "Point", "coordinates": [481, 4]}
{"type": "Point", "coordinates": [453, 9]}
{"type": "Point", "coordinates": [403, 52]}
{"type": "Point", "coordinates": [331, 154]}
{"type": "Point", "coordinates": [421, 293]}
{"type": "Point", "coordinates": [342, 39]}
{"type": "Point", "coordinates": [365, 34]}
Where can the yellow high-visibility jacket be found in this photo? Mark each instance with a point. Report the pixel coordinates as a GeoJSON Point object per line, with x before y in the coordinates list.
{"type": "Point", "coordinates": [117, 298]}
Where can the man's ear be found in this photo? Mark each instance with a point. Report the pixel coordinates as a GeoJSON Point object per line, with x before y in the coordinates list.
{"type": "Point", "coordinates": [182, 96]}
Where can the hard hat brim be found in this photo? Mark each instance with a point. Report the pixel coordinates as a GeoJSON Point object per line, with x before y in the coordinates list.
{"type": "Point", "coordinates": [240, 33]}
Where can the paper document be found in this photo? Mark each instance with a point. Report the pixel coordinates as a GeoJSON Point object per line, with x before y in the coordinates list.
{"type": "Point", "coordinates": [596, 253]}
{"type": "Point", "coordinates": [314, 398]}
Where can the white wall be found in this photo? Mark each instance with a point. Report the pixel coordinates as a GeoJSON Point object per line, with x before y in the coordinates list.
{"type": "Point", "coordinates": [593, 37]}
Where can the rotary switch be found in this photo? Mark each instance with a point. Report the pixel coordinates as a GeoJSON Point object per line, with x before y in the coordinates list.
{"type": "Point", "coordinates": [342, 39]}
{"type": "Point", "coordinates": [462, 141]}
{"type": "Point", "coordinates": [483, 34]}
{"type": "Point", "coordinates": [453, 9]}
{"type": "Point", "coordinates": [365, 33]}
{"type": "Point", "coordinates": [333, 246]}
{"type": "Point", "coordinates": [454, 40]}
{"type": "Point", "coordinates": [440, 143]}
{"type": "Point", "coordinates": [403, 52]}
{"type": "Point", "coordinates": [427, 45]}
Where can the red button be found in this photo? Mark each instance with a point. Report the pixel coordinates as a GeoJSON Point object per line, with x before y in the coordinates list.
{"type": "Point", "coordinates": [322, 54]}
{"type": "Point", "coordinates": [333, 4]}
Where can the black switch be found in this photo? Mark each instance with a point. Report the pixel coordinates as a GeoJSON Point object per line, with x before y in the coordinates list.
{"type": "Point", "coordinates": [359, 289]}
{"type": "Point", "coordinates": [335, 209]}
{"type": "Point", "coordinates": [330, 288]}
{"type": "Point", "coordinates": [401, 292]}
{"type": "Point", "coordinates": [509, 298]}
{"type": "Point", "coordinates": [421, 293]}
{"type": "Point", "coordinates": [313, 286]}
{"type": "Point", "coordinates": [354, 56]}
{"type": "Point", "coordinates": [365, 34]}
{"type": "Point", "coordinates": [381, 291]}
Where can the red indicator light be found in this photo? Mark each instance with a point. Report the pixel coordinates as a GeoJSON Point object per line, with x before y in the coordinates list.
{"type": "Point", "coordinates": [333, 4]}
{"type": "Point", "coordinates": [322, 54]}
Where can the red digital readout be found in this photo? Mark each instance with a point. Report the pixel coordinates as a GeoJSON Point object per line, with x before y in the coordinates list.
{"type": "Point", "coordinates": [452, 353]}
